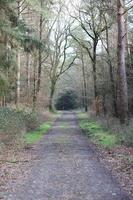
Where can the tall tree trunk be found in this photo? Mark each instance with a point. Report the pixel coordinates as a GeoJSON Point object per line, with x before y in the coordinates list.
{"type": "Point", "coordinates": [18, 58]}
{"type": "Point", "coordinates": [122, 95]}
{"type": "Point", "coordinates": [40, 51]}
{"type": "Point", "coordinates": [113, 89]}
{"type": "Point", "coordinates": [129, 61]}
{"type": "Point", "coordinates": [95, 42]}
{"type": "Point", "coordinates": [28, 76]}
{"type": "Point", "coordinates": [82, 95]}
{"type": "Point", "coordinates": [85, 86]}
{"type": "Point", "coordinates": [8, 48]}
{"type": "Point", "coordinates": [28, 66]}
{"type": "Point", "coordinates": [113, 85]}
{"type": "Point", "coordinates": [103, 104]}
{"type": "Point", "coordinates": [18, 77]}
{"type": "Point", "coordinates": [51, 108]}
{"type": "Point", "coordinates": [34, 82]}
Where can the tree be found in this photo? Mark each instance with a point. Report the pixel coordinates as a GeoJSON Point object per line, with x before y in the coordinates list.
{"type": "Point", "coordinates": [106, 44]}
{"type": "Point", "coordinates": [84, 83]}
{"type": "Point", "coordinates": [67, 101]}
{"type": "Point", "coordinates": [90, 18]}
{"type": "Point", "coordinates": [60, 59]}
{"type": "Point", "coordinates": [122, 101]}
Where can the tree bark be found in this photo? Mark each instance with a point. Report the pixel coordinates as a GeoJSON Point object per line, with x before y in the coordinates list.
{"type": "Point", "coordinates": [85, 86]}
{"type": "Point", "coordinates": [18, 77]}
{"type": "Point", "coordinates": [113, 85]}
{"type": "Point", "coordinates": [18, 58]}
{"type": "Point", "coordinates": [51, 108]}
{"type": "Point", "coordinates": [34, 83]}
{"type": "Point", "coordinates": [129, 60]}
{"type": "Point", "coordinates": [40, 51]}
{"type": "Point", "coordinates": [28, 76]}
{"type": "Point", "coordinates": [122, 96]}
{"type": "Point", "coordinates": [113, 89]}
{"type": "Point", "coordinates": [95, 42]}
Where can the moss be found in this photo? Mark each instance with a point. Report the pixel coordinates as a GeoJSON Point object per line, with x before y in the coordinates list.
{"type": "Point", "coordinates": [34, 136]}
{"type": "Point", "coordinates": [96, 132]}
{"type": "Point", "coordinates": [106, 139]}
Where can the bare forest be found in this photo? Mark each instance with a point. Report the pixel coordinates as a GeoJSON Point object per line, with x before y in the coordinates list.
{"type": "Point", "coordinates": [71, 60]}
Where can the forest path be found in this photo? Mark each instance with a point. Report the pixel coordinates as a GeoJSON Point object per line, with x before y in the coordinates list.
{"type": "Point", "coordinates": [67, 168]}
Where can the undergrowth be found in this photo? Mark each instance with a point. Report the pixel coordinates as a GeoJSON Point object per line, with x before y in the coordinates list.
{"type": "Point", "coordinates": [23, 126]}
{"type": "Point", "coordinates": [14, 123]}
{"type": "Point", "coordinates": [97, 132]}
{"type": "Point", "coordinates": [124, 133]}
{"type": "Point", "coordinates": [34, 136]}
{"type": "Point", "coordinates": [107, 131]}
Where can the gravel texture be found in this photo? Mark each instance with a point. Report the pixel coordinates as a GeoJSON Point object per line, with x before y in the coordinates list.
{"type": "Point", "coordinates": [66, 168]}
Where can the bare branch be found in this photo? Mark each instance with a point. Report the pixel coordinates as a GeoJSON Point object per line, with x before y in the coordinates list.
{"type": "Point", "coordinates": [69, 66]}
{"type": "Point", "coordinates": [82, 44]}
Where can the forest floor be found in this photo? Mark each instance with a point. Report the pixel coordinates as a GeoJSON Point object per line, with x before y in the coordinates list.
{"type": "Point", "coordinates": [64, 165]}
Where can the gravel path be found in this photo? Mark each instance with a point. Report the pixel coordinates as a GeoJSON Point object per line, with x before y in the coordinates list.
{"type": "Point", "coordinates": [67, 169]}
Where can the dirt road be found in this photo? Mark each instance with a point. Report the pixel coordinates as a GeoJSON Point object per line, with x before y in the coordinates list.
{"type": "Point", "coordinates": [67, 169]}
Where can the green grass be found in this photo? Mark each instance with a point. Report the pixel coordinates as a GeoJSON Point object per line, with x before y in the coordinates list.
{"type": "Point", "coordinates": [95, 131]}
{"type": "Point", "coordinates": [34, 136]}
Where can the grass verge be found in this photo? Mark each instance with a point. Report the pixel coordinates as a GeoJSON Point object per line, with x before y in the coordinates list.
{"type": "Point", "coordinates": [96, 132]}
{"type": "Point", "coordinates": [34, 136]}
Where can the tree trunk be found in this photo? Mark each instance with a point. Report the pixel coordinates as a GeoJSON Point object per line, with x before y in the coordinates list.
{"type": "Point", "coordinates": [83, 99]}
{"type": "Point", "coordinates": [85, 86]}
{"type": "Point", "coordinates": [129, 60]}
{"type": "Point", "coordinates": [28, 76]}
{"type": "Point", "coordinates": [95, 42]}
{"type": "Point", "coordinates": [18, 77]}
{"type": "Point", "coordinates": [51, 107]}
{"type": "Point", "coordinates": [40, 51]}
{"type": "Point", "coordinates": [113, 89]}
{"type": "Point", "coordinates": [93, 60]}
{"type": "Point", "coordinates": [113, 86]}
{"type": "Point", "coordinates": [18, 59]}
{"type": "Point", "coordinates": [122, 96]}
{"type": "Point", "coordinates": [103, 104]}
{"type": "Point", "coordinates": [34, 83]}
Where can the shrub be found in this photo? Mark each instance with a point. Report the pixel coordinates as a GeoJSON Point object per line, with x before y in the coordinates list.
{"type": "Point", "coordinates": [30, 120]}
{"type": "Point", "coordinates": [120, 134]}
{"type": "Point", "coordinates": [14, 123]}
{"type": "Point", "coordinates": [126, 134]}
{"type": "Point", "coordinates": [67, 101]}
{"type": "Point", "coordinates": [98, 133]}
{"type": "Point", "coordinates": [11, 125]}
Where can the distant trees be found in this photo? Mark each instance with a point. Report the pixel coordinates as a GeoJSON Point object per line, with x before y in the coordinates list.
{"type": "Point", "coordinates": [61, 56]}
{"type": "Point", "coordinates": [92, 23]}
{"type": "Point", "coordinates": [43, 40]}
{"type": "Point", "coordinates": [67, 101]}
{"type": "Point", "coordinates": [95, 22]}
{"type": "Point", "coordinates": [91, 17]}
